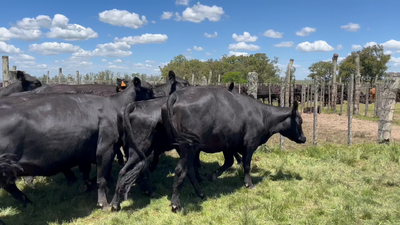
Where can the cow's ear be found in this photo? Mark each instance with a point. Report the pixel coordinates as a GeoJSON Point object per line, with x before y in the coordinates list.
{"type": "Point", "coordinates": [295, 106]}
{"type": "Point", "coordinates": [231, 86]}
{"type": "Point", "coordinates": [171, 76]}
{"type": "Point", "coordinates": [20, 75]}
{"type": "Point", "coordinates": [136, 82]}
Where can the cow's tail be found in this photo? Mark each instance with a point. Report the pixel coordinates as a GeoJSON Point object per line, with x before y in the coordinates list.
{"type": "Point", "coordinates": [182, 136]}
{"type": "Point", "coordinates": [129, 132]}
{"type": "Point", "coordinates": [9, 167]}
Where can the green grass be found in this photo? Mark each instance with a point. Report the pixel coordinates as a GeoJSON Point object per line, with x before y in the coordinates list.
{"type": "Point", "coordinates": [331, 184]}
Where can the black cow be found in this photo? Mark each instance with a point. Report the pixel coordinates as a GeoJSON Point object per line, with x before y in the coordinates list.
{"type": "Point", "coordinates": [214, 120]}
{"type": "Point", "coordinates": [24, 82]}
{"type": "Point", "coordinates": [144, 132]}
{"type": "Point", "coordinates": [60, 131]}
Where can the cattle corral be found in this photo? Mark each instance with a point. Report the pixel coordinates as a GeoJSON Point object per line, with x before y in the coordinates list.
{"type": "Point", "coordinates": [330, 182]}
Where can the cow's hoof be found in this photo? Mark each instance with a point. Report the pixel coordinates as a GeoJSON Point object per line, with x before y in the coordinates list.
{"type": "Point", "coordinates": [249, 186]}
{"type": "Point", "coordinates": [175, 208]}
{"type": "Point", "coordinates": [115, 207]}
{"type": "Point", "coordinates": [104, 206]}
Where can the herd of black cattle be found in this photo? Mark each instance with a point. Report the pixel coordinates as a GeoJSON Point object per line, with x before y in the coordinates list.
{"type": "Point", "coordinates": [48, 129]}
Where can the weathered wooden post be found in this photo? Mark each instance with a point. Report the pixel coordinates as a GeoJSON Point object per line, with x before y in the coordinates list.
{"type": "Point", "coordinates": [387, 104]}
{"type": "Point", "coordinates": [252, 81]}
{"type": "Point", "coordinates": [303, 94]}
{"type": "Point", "coordinates": [287, 83]}
{"type": "Point", "coordinates": [315, 111]}
{"type": "Point", "coordinates": [309, 96]}
{"type": "Point", "coordinates": [341, 99]}
{"type": "Point", "coordinates": [47, 78]}
{"type": "Point", "coordinates": [209, 77]}
{"type": "Point", "coordinates": [334, 85]}
{"type": "Point", "coordinates": [292, 92]}
{"type": "Point", "coordinates": [329, 97]}
{"type": "Point", "coordinates": [14, 68]}
{"type": "Point", "coordinates": [269, 94]}
{"type": "Point", "coordinates": [357, 86]}
{"type": "Point", "coordinates": [193, 79]}
{"type": "Point", "coordinates": [59, 75]}
{"type": "Point", "coordinates": [77, 77]}
{"type": "Point", "coordinates": [5, 70]}
{"type": "Point", "coordinates": [350, 108]}
{"type": "Point", "coordinates": [282, 100]}
{"type": "Point", "coordinates": [366, 100]}
{"type": "Point", "coordinates": [219, 79]}
{"type": "Point", "coordinates": [377, 98]}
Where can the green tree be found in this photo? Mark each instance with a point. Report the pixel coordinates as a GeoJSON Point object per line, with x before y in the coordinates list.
{"type": "Point", "coordinates": [321, 70]}
{"type": "Point", "coordinates": [236, 77]}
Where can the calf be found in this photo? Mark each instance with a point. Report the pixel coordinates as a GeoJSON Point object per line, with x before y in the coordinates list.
{"type": "Point", "coordinates": [66, 130]}
{"type": "Point", "coordinates": [24, 82]}
{"type": "Point", "coordinates": [214, 120]}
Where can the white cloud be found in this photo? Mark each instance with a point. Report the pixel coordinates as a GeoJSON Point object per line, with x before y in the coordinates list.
{"type": "Point", "coordinates": [388, 52]}
{"type": "Point", "coordinates": [352, 27]}
{"type": "Point", "coordinates": [246, 37]}
{"type": "Point", "coordinates": [153, 21]}
{"type": "Point", "coordinates": [122, 18]}
{"type": "Point", "coordinates": [317, 46]}
{"type": "Point", "coordinates": [25, 35]}
{"type": "Point", "coordinates": [199, 13]}
{"type": "Point", "coordinates": [22, 57]}
{"type": "Point", "coordinates": [238, 53]}
{"type": "Point", "coordinates": [197, 48]}
{"type": "Point", "coordinates": [273, 34]}
{"type": "Point", "coordinates": [395, 60]}
{"type": "Point", "coordinates": [372, 43]}
{"type": "Point", "coordinates": [53, 48]}
{"type": "Point", "coordinates": [116, 67]}
{"type": "Point", "coordinates": [9, 49]}
{"type": "Point", "coordinates": [356, 47]}
{"type": "Point", "coordinates": [144, 39]}
{"type": "Point", "coordinates": [104, 60]}
{"type": "Point", "coordinates": [305, 31]}
{"type": "Point", "coordinates": [69, 32]}
{"type": "Point", "coordinates": [84, 63]}
{"type": "Point", "coordinates": [29, 65]}
{"type": "Point", "coordinates": [207, 53]}
{"type": "Point", "coordinates": [106, 50]}
{"type": "Point", "coordinates": [41, 21]}
{"type": "Point", "coordinates": [142, 66]}
{"type": "Point", "coordinates": [391, 44]}
{"type": "Point", "coordinates": [167, 15]}
{"type": "Point", "coordinates": [243, 46]}
{"type": "Point", "coordinates": [149, 61]}
{"type": "Point", "coordinates": [339, 47]}
{"type": "Point", "coordinates": [118, 61]}
{"type": "Point", "coordinates": [182, 2]}
{"type": "Point", "coordinates": [285, 44]}
{"type": "Point", "coordinates": [5, 34]}
{"type": "Point", "coordinates": [211, 35]}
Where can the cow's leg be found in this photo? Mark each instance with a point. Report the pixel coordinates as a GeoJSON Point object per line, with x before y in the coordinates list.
{"type": "Point", "coordinates": [144, 181]}
{"type": "Point", "coordinates": [70, 176]}
{"type": "Point", "coordinates": [238, 158]}
{"type": "Point", "coordinates": [227, 164]}
{"type": "Point", "coordinates": [85, 170]}
{"type": "Point", "coordinates": [17, 194]}
{"type": "Point", "coordinates": [120, 158]}
{"type": "Point", "coordinates": [246, 167]}
{"type": "Point", "coordinates": [126, 177]}
{"type": "Point", "coordinates": [104, 159]}
{"type": "Point", "coordinates": [197, 166]}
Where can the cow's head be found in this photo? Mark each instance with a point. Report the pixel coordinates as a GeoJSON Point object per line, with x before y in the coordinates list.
{"type": "Point", "coordinates": [28, 82]}
{"type": "Point", "coordinates": [176, 83]}
{"type": "Point", "coordinates": [291, 126]}
{"type": "Point", "coordinates": [144, 90]}
{"type": "Point", "coordinates": [121, 84]}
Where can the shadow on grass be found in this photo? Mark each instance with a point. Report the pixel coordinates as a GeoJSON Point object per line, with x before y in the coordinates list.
{"type": "Point", "coordinates": [55, 201]}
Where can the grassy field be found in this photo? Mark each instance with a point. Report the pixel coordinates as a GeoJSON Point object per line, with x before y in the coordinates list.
{"type": "Point", "coordinates": [330, 184]}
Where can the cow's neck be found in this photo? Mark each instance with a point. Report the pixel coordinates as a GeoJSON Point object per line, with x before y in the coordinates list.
{"type": "Point", "coordinates": [162, 90]}
{"type": "Point", "coordinates": [122, 99]}
{"type": "Point", "coordinates": [12, 88]}
{"type": "Point", "coordinates": [273, 117]}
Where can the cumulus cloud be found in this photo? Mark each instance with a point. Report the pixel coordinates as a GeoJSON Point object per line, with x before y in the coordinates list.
{"type": "Point", "coordinates": [285, 44]}
{"type": "Point", "coordinates": [211, 35]}
{"type": "Point", "coordinates": [153, 21]}
{"type": "Point", "coordinates": [149, 61]}
{"type": "Point", "coordinates": [356, 47]}
{"type": "Point", "coordinates": [142, 66]}
{"type": "Point", "coordinates": [182, 2]}
{"type": "Point", "coordinates": [104, 60]}
{"type": "Point", "coordinates": [9, 49]}
{"type": "Point", "coordinates": [117, 49]}
{"type": "Point", "coordinates": [231, 53]}
{"type": "Point", "coordinates": [273, 34]}
{"type": "Point", "coordinates": [118, 61]}
{"type": "Point", "coordinates": [391, 44]}
{"type": "Point", "coordinates": [60, 28]}
{"type": "Point", "coordinates": [41, 21]}
{"type": "Point", "coordinates": [199, 13]}
{"type": "Point", "coordinates": [352, 27]}
{"type": "Point", "coordinates": [305, 31]}
{"type": "Point", "coordinates": [317, 46]}
{"type": "Point", "coordinates": [144, 39]}
{"type": "Point", "coordinates": [53, 48]}
{"type": "Point", "coordinates": [22, 57]}
{"type": "Point", "coordinates": [116, 67]}
{"type": "Point", "coordinates": [339, 47]}
{"type": "Point", "coordinates": [388, 52]}
{"type": "Point", "coordinates": [368, 44]}
{"type": "Point", "coordinates": [197, 48]}
{"type": "Point", "coordinates": [123, 18]}
{"type": "Point", "coordinates": [207, 53]}
{"type": "Point", "coordinates": [395, 61]}
{"type": "Point", "coordinates": [246, 37]}
{"type": "Point", "coordinates": [243, 46]}
{"type": "Point", "coordinates": [30, 65]}
{"type": "Point", "coordinates": [167, 15]}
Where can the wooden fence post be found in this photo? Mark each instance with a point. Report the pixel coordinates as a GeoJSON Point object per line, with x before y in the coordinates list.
{"type": "Point", "coordinates": [357, 85]}
{"type": "Point", "coordinates": [47, 78]}
{"type": "Point", "coordinates": [287, 83]}
{"type": "Point", "coordinates": [350, 108]}
{"type": "Point", "coordinates": [315, 111]}
{"type": "Point", "coordinates": [386, 107]}
{"type": "Point", "coordinates": [5, 70]}
{"type": "Point", "coordinates": [269, 94]}
{"type": "Point", "coordinates": [209, 78]}
{"type": "Point", "coordinates": [303, 94]}
{"type": "Point", "coordinates": [282, 104]}
{"type": "Point", "coordinates": [341, 99]}
{"type": "Point", "coordinates": [252, 81]}
{"type": "Point", "coordinates": [219, 79]}
{"type": "Point", "coordinates": [329, 97]}
{"type": "Point", "coordinates": [334, 85]}
{"type": "Point", "coordinates": [377, 97]}
{"type": "Point", "coordinates": [14, 68]}
{"type": "Point", "coordinates": [366, 100]}
{"type": "Point", "coordinates": [77, 77]}
{"type": "Point", "coordinates": [193, 79]}
{"type": "Point", "coordinates": [59, 75]}
{"type": "Point", "coordinates": [292, 92]}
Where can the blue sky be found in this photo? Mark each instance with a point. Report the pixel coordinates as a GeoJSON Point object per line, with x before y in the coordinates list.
{"type": "Point", "coordinates": [139, 36]}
